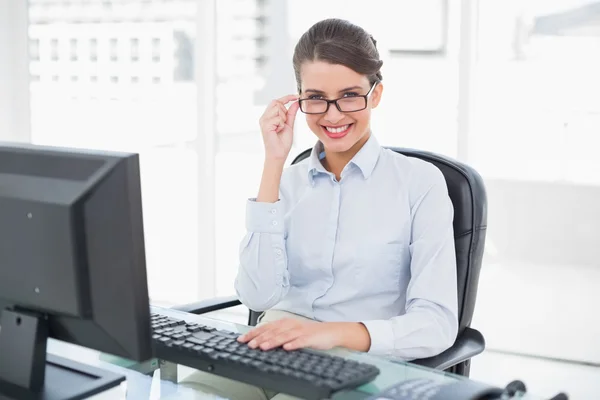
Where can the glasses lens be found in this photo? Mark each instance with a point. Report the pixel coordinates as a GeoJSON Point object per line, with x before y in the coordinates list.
{"type": "Point", "coordinates": [313, 106]}
{"type": "Point", "coordinates": [350, 104]}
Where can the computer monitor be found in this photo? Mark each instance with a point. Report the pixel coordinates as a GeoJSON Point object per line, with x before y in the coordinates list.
{"type": "Point", "coordinates": [72, 267]}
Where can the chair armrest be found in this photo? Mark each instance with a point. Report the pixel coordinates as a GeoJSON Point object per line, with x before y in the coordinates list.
{"type": "Point", "coordinates": [205, 306]}
{"type": "Point", "coordinates": [468, 344]}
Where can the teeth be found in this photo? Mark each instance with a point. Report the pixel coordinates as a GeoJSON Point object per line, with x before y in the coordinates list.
{"type": "Point", "coordinates": [337, 130]}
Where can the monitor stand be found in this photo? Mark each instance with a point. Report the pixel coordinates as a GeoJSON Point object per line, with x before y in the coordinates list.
{"type": "Point", "coordinates": [26, 372]}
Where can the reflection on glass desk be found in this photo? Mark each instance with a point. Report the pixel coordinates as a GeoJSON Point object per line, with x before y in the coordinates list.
{"type": "Point", "coordinates": [157, 379]}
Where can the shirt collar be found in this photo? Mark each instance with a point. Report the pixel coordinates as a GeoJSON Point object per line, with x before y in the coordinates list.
{"type": "Point", "coordinates": [365, 159]}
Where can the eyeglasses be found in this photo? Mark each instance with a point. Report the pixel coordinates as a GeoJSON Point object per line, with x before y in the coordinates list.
{"type": "Point", "coordinates": [343, 104]}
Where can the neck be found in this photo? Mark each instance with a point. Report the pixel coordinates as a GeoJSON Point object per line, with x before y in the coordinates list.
{"type": "Point", "coordinates": [335, 162]}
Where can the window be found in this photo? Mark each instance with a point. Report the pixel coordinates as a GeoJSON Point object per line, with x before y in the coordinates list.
{"type": "Point", "coordinates": [113, 49]}
{"type": "Point", "coordinates": [184, 64]}
{"type": "Point", "coordinates": [34, 49]}
{"type": "Point", "coordinates": [155, 123]}
{"type": "Point", "coordinates": [73, 49]}
{"type": "Point", "coordinates": [156, 50]}
{"type": "Point", "coordinates": [135, 49]}
{"type": "Point", "coordinates": [536, 120]}
{"type": "Point", "coordinates": [54, 49]}
{"type": "Point", "coordinates": [93, 50]}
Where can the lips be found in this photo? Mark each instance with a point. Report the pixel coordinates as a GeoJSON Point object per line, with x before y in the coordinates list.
{"type": "Point", "coordinates": [337, 132]}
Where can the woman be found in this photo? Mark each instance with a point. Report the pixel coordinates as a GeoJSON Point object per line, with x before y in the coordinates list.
{"type": "Point", "coordinates": [353, 247]}
{"type": "Point", "coordinates": [358, 236]}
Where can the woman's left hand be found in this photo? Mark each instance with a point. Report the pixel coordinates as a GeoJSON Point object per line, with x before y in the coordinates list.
{"type": "Point", "coordinates": [292, 334]}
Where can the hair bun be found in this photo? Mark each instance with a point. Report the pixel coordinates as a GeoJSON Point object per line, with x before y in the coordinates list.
{"type": "Point", "coordinates": [373, 40]}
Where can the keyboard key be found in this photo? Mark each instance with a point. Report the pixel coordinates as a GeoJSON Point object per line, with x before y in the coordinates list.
{"type": "Point", "coordinates": [165, 340]}
{"type": "Point", "coordinates": [195, 341]}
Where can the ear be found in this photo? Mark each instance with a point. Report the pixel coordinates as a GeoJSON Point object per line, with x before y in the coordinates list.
{"type": "Point", "coordinates": [376, 95]}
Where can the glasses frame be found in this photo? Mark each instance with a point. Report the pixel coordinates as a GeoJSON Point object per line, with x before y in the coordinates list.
{"type": "Point", "coordinates": [335, 101]}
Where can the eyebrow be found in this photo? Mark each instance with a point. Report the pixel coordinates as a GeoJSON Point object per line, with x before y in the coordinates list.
{"type": "Point", "coordinates": [341, 91]}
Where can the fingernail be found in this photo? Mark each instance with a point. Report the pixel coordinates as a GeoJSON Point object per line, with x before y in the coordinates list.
{"type": "Point", "coordinates": [264, 346]}
{"type": "Point", "coordinates": [252, 343]}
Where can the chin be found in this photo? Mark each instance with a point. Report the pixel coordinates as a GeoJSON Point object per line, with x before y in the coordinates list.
{"type": "Point", "coordinates": [337, 145]}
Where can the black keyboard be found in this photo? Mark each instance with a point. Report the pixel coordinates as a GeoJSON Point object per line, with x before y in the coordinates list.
{"type": "Point", "coordinates": [303, 373]}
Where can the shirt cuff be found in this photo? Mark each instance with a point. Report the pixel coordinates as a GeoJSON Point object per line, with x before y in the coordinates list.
{"type": "Point", "coordinates": [264, 217]}
{"type": "Point", "coordinates": [382, 336]}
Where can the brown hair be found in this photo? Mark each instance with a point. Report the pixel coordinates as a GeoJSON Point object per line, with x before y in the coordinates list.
{"type": "Point", "coordinates": [337, 41]}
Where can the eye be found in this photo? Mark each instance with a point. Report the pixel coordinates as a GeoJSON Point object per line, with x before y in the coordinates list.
{"type": "Point", "coordinates": [315, 97]}
{"type": "Point", "coordinates": [350, 94]}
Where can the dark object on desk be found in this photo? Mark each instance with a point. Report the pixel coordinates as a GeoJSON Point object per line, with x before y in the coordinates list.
{"type": "Point", "coordinates": [302, 373]}
{"type": "Point", "coordinates": [72, 267]}
{"type": "Point", "coordinates": [514, 387]}
{"type": "Point", "coordinates": [429, 389]}
{"type": "Point", "coordinates": [468, 195]}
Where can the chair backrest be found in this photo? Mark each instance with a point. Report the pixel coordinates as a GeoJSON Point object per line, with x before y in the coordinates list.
{"type": "Point", "coordinates": [468, 196]}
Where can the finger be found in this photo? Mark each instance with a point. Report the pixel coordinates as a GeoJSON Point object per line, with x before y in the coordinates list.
{"type": "Point", "coordinates": [282, 111]}
{"type": "Point", "coordinates": [275, 124]}
{"type": "Point", "coordinates": [278, 124]}
{"type": "Point", "coordinates": [259, 330]}
{"type": "Point", "coordinates": [277, 109]}
{"type": "Point", "coordinates": [266, 337]}
{"type": "Point", "coordinates": [273, 109]}
{"type": "Point", "coordinates": [271, 334]}
{"type": "Point", "coordinates": [298, 343]}
{"type": "Point", "coordinates": [254, 333]}
{"type": "Point", "coordinates": [278, 329]}
{"type": "Point", "coordinates": [291, 113]}
{"type": "Point", "coordinates": [288, 98]}
{"type": "Point", "coordinates": [281, 338]}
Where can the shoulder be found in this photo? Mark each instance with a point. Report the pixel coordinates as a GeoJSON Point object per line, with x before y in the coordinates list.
{"type": "Point", "coordinates": [415, 171]}
{"type": "Point", "coordinates": [417, 176]}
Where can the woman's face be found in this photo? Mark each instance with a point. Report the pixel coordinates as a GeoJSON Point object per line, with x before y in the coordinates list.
{"type": "Point", "coordinates": [338, 131]}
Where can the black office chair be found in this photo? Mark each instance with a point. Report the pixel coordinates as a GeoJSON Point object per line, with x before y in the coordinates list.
{"type": "Point", "coordinates": [468, 195]}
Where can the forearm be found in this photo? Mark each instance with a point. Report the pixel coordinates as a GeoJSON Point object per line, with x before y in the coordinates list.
{"type": "Point", "coordinates": [352, 335]}
{"type": "Point", "coordinates": [268, 191]}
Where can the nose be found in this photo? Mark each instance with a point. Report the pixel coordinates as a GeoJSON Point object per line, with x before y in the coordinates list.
{"type": "Point", "coordinates": [333, 115]}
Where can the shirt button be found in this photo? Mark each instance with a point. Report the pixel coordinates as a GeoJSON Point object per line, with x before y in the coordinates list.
{"type": "Point", "coordinates": [278, 252]}
{"type": "Point", "coordinates": [273, 211]}
{"type": "Point", "coordinates": [274, 223]}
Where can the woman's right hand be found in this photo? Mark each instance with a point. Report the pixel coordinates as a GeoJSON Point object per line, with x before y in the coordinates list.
{"type": "Point", "coordinates": [277, 127]}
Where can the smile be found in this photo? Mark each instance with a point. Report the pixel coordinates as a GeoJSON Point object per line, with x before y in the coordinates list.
{"type": "Point", "coordinates": [337, 131]}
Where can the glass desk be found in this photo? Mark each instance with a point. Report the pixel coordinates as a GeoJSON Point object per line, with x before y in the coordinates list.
{"type": "Point", "coordinates": [156, 379]}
